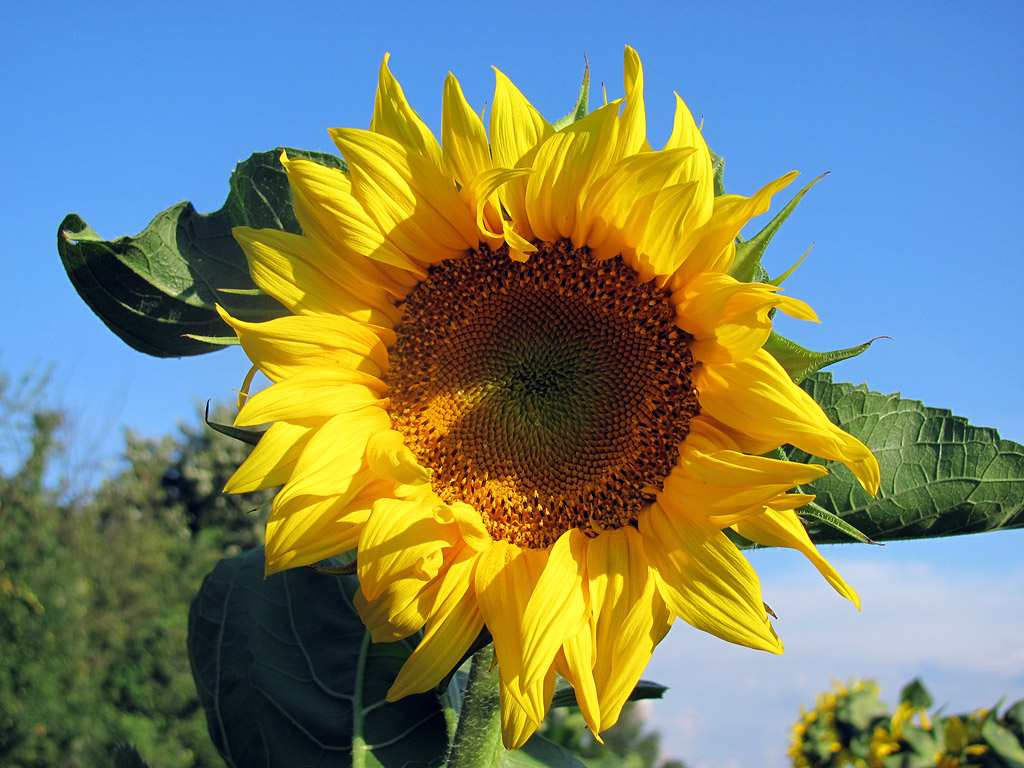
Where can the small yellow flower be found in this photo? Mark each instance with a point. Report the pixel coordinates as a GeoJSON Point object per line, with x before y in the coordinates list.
{"type": "Point", "coordinates": [519, 378]}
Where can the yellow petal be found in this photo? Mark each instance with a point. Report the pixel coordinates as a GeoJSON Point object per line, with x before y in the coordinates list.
{"type": "Point", "coordinates": [673, 218]}
{"type": "Point", "coordinates": [287, 345]}
{"type": "Point", "coordinates": [411, 201]}
{"type": "Point", "coordinates": [618, 204]}
{"type": "Point", "coordinates": [727, 485]}
{"type": "Point", "coordinates": [506, 576]}
{"type": "Point", "coordinates": [631, 617]}
{"type": "Point", "coordinates": [575, 662]}
{"type": "Point", "coordinates": [287, 267]}
{"type": "Point", "coordinates": [517, 723]}
{"type": "Point", "coordinates": [782, 528]}
{"type": "Point", "coordinates": [334, 454]}
{"type": "Point", "coordinates": [463, 137]}
{"type": "Point", "coordinates": [632, 136]}
{"type": "Point", "coordinates": [481, 192]}
{"type": "Point", "coordinates": [756, 396]}
{"type": "Point", "coordinates": [402, 539]}
{"type": "Point", "coordinates": [730, 319]}
{"type": "Point", "coordinates": [704, 579]}
{"type": "Point", "coordinates": [471, 526]}
{"type": "Point", "coordinates": [311, 393]}
{"type": "Point", "coordinates": [272, 460]}
{"type": "Point", "coordinates": [564, 167]}
{"type": "Point", "coordinates": [401, 608]}
{"type": "Point", "coordinates": [328, 210]}
{"type": "Point", "coordinates": [309, 529]}
{"type": "Point", "coordinates": [394, 118]}
{"type": "Point", "coordinates": [517, 129]}
{"type": "Point", "coordinates": [698, 166]}
{"type": "Point", "coordinates": [557, 608]}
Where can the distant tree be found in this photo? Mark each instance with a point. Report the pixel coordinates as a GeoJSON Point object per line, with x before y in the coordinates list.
{"type": "Point", "coordinates": [627, 744]}
{"type": "Point", "coordinates": [96, 593]}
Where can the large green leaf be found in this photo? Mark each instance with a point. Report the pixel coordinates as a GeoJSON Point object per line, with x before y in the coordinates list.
{"type": "Point", "coordinates": [288, 675]}
{"type": "Point", "coordinates": [538, 752]}
{"type": "Point", "coordinates": [154, 288]}
{"type": "Point", "coordinates": [940, 475]}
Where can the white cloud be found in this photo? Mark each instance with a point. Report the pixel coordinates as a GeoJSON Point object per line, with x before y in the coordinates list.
{"type": "Point", "coordinates": [957, 622]}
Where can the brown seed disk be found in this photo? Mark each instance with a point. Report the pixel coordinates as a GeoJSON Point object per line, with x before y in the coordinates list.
{"type": "Point", "coordinates": [548, 394]}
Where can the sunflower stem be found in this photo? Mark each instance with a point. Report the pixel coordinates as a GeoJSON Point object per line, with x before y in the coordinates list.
{"type": "Point", "coordinates": [477, 741]}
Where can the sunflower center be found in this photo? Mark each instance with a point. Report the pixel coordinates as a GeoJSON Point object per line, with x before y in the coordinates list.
{"type": "Point", "coordinates": [551, 394]}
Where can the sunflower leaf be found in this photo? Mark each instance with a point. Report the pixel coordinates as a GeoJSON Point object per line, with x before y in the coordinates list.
{"type": "Point", "coordinates": [157, 290]}
{"type": "Point", "coordinates": [288, 676]}
{"type": "Point", "coordinates": [749, 252]}
{"type": "Point", "coordinates": [800, 362]}
{"type": "Point", "coordinates": [941, 476]}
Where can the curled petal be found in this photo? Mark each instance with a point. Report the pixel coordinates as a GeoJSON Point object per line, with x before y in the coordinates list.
{"type": "Point", "coordinates": [729, 320]}
{"type": "Point", "coordinates": [402, 539]}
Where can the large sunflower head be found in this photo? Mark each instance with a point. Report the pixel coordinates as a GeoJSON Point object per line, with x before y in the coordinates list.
{"type": "Point", "coordinates": [519, 377]}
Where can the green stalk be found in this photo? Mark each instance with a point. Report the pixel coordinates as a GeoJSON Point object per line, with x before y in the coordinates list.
{"type": "Point", "coordinates": [478, 736]}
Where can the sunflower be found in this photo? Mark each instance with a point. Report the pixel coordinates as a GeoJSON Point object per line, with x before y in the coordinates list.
{"type": "Point", "coordinates": [518, 377]}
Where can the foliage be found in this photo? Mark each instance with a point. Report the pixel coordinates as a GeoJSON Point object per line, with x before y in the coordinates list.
{"type": "Point", "coordinates": [96, 592]}
{"type": "Point", "coordinates": [850, 726]}
{"type": "Point", "coordinates": [627, 744]}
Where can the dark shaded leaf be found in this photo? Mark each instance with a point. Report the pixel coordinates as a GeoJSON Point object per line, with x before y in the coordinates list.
{"type": "Point", "coordinates": [288, 676]}
{"type": "Point", "coordinates": [565, 696]}
{"type": "Point", "coordinates": [126, 756]}
{"type": "Point", "coordinates": [916, 695]}
{"type": "Point", "coordinates": [157, 290]}
{"type": "Point", "coordinates": [940, 475]}
{"type": "Point", "coordinates": [539, 752]}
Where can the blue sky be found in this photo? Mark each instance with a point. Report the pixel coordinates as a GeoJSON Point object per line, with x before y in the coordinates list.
{"type": "Point", "coordinates": [915, 108]}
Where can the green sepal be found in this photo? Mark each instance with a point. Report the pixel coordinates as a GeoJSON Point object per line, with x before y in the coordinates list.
{"type": "Point", "coordinates": [718, 167]}
{"type": "Point", "coordinates": [565, 695]}
{"type": "Point", "coordinates": [822, 515]}
{"type": "Point", "coordinates": [749, 252]}
{"type": "Point", "coordinates": [157, 290]}
{"type": "Point", "coordinates": [800, 362]}
{"type": "Point", "coordinates": [250, 435]}
{"type": "Point", "coordinates": [222, 341]}
{"type": "Point", "coordinates": [582, 102]}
